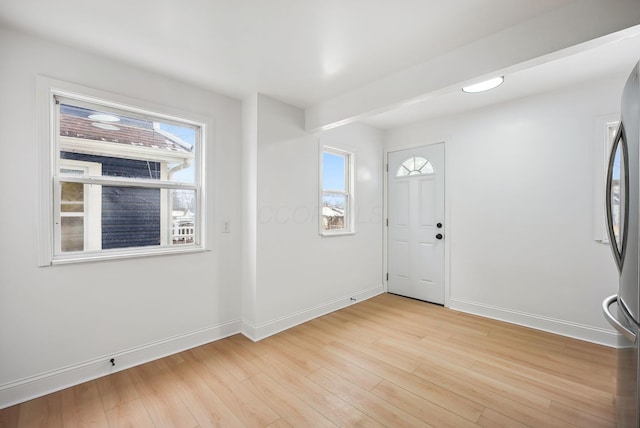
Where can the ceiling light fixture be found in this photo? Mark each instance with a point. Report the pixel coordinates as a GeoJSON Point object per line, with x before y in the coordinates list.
{"type": "Point", "coordinates": [484, 86]}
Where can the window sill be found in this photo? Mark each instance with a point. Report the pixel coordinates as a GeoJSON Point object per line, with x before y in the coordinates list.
{"type": "Point", "coordinates": [122, 254]}
{"type": "Point", "coordinates": [331, 234]}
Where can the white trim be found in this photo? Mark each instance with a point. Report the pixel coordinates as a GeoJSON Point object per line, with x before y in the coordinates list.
{"type": "Point", "coordinates": [126, 182]}
{"type": "Point", "coordinates": [263, 330]}
{"type": "Point", "coordinates": [55, 380]}
{"type": "Point", "coordinates": [552, 325]}
{"type": "Point", "coordinates": [45, 129]}
{"type": "Point", "coordinates": [133, 252]}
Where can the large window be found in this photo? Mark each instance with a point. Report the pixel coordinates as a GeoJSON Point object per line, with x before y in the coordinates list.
{"type": "Point", "coordinates": [125, 181]}
{"type": "Point", "coordinates": [336, 195]}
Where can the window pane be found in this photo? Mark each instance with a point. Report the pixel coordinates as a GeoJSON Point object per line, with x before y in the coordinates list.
{"type": "Point", "coordinates": [130, 217]}
{"type": "Point", "coordinates": [71, 197]}
{"type": "Point", "coordinates": [415, 166]}
{"type": "Point", "coordinates": [333, 212]}
{"type": "Point", "coordinates": [183, 172]}
{"type": "Point", "coordinates": [72, 233]}
{"type": "Point", "coordinates": [183, 219]}
{"type": "Point", "coordinates": [127, 146]}
{"type": "Point", "coordinates": [334, 172]}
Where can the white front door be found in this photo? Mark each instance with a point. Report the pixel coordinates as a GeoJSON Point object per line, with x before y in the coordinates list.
{"type": "Point", "coordinates": [416, 230]}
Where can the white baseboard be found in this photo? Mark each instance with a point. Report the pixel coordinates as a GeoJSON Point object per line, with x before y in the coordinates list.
{"type": "Point", "coordinates": [269, 328]}
{"type": "Point", "coordinates": [56, 380]}
{"type": "Point", "coordinates": [552, 325]}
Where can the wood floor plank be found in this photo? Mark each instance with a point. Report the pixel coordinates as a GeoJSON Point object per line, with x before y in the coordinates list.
{"type": "Point", "coordinates": [131, 414]}
{"type": "Point", "coordinates": [493, 419]}
{"type": "Point", "coordinates": [579, 417]}
{"type": "Point", "coordinates": [244, 404]}
{"type": "Point", "coordinates": [419, 407]}
{"type": "Point", "coordinates": [44, 412]}
{"type": "Point", "coordinates": [596, 403]}
{"type": "Point", "coordinates": [425, 352]}
{"type": "Point", "coordinates": [543, 377]}
{"type": "Point", "coordinates": [538, 359]}
{"type": "Point", "coordinates": [344, 368]}
{"type": "Point", "coordinates": [367, 402]}
{"type": "Point", "coordinates": [285, 403]}
{"type": "Point", "coordinates": [380, 326]}
{"type": "Point", "coordinates": [82, 406]}
{"type": "Point", "coordinates": [116, 389]}
{"type": "Point", "coordinates": [331, 406]}
{"type": "Point", "coordinates": [10, 416]}
{"type": "Point", "coordinates": [529, 415]}
{"type": "Point", "coordinates": [156, 388]}
{"type": "Point", "coordinates": [280, 423]}
{"type": "Point", "coordinates": [203, 403]}
{"type": "Point", "coordinates": [426, 389]}
{"type": "Point", "coordinates": [294, 358]}
{"type": "Point", "coordinates": [235, 358]}
{"type": "Point", "coordinates": [348, 329]}
{"type": "Point", "coordinates": [486, 382]}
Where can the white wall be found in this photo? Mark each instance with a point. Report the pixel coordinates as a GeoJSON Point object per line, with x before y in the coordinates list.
{"type": "Point", "coordinates": [59, 324]}
{"type": "Point", "coordinates": [299, 274]}
{"type": "Point", "coordinates": [520, 189]}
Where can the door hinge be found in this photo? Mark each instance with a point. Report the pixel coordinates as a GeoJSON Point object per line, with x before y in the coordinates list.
{"type": "Point", "coordinates": [387, 276]}
{"type": "Point", "coordinates": [387, 167]}
{"type": "Point", "coordinates": [387, 222]}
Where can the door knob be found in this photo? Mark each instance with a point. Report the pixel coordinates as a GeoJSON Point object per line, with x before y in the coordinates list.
{"type": "Point", "coordinates": [439, 236]}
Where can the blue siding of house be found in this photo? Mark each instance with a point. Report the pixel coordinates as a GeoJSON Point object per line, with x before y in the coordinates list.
{"type": "Point", "coordinates": [119, 167]}
{"type": "Point", "coordinates": [130, 216]}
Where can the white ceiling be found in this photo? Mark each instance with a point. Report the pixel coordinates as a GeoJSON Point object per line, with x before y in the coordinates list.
{"type": "Point", "coordinates": [302, 52]}
{"type": "Point", "coordinates": [299, 51]}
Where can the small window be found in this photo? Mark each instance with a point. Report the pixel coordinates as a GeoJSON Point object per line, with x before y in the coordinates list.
{"type": "Point", "coordinates": [126, 182]}
{"type": "Point", "coordinates": [415, 166]}
{"type": "Point", "coordinates": [336, 196]}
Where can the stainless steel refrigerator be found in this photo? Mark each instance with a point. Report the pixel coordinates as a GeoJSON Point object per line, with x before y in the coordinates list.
{"type": "Point", "coordinates": [622, 310]}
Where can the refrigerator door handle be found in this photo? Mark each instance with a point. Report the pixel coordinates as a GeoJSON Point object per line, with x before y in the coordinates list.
{"type": "Point", "coordinates": [614, 321]}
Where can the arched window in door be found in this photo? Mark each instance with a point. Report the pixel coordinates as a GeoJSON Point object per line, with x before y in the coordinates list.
{"type": "Point", "coordinates": [415, 166]}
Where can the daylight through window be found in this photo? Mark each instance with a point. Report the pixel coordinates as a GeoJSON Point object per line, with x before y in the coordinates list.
{"type": "Point", "coordinates": [415, 166]}
{"type": "Point", "coordinates": [123, 180]}
{"type": "Point", "coordinates": [337, 193]}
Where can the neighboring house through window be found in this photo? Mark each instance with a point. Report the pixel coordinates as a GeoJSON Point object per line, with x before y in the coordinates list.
{"type": "Point", "coordinates": [336, 195]}
{"type": "Point", "coordinates": [125, 181]}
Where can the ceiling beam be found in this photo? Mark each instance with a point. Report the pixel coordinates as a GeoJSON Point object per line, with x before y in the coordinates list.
{"type": "Point", "coordinates": [580, 25]}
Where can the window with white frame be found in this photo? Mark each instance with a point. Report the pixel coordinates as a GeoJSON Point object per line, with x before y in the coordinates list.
{"type": "Point", "coordinates": [336, 194]}
{"type": "Point", "coordinates": [126, 181]}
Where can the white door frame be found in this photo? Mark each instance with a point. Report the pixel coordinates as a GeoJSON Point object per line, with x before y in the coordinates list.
{"type": "Point", "coordinates": [447, 216]}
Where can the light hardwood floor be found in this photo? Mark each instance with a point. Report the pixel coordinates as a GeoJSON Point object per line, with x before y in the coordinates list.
{"type": "Point", "coordinates": [388, 361]}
